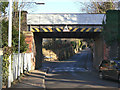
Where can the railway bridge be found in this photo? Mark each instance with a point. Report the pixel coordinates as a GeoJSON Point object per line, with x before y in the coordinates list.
{"type": "Point", "coordinates": [66, 25]}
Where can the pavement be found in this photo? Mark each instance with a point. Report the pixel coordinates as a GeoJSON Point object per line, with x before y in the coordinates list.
{"type": "Point", "coordinates": [35, 79]}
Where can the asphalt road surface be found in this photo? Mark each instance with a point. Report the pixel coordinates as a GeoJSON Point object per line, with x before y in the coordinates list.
{"type": "Point", "coordinates": [76, 72]}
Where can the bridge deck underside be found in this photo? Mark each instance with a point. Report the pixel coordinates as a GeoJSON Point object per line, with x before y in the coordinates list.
{"type": "Point", "coordinates": [67, 34]}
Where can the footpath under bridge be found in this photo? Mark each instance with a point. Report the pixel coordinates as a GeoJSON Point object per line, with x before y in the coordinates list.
{"type": "Point", "coordinates": [66, 26]}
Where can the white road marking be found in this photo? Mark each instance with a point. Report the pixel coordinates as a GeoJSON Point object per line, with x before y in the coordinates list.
{"type": "Point", "coordinates": [69, 69]}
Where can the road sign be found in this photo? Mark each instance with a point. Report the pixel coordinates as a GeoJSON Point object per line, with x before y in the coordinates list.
{"type": "Point", "coordinates": [66, 29]}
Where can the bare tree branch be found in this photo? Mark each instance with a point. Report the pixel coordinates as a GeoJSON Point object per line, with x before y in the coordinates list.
{"type": "Point", "coordinates": [100, 7]}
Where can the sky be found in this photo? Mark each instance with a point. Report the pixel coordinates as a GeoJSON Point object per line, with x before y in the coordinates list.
{"type": "Point", "coordinates": [57, 6]}
{"type": "Point", "coordinates": [60, 6]}
{"type": "Point", "coordinates": [53, 6]}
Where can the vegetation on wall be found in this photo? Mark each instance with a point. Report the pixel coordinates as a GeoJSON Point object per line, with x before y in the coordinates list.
{"type": "Point", "coordinates": [14, 49]}
{"type": "Point", "coordinates": [15, 34]}
{"type": "Point", "coordinates": [7, 51]}
{"type": "Point", "coordinates": [111, 28]}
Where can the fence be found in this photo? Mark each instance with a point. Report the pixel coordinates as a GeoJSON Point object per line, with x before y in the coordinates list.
{"type": "Point", "coordinates": [23, 65]}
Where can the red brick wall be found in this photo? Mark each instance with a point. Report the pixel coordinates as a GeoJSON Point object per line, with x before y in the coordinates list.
{"type": "Point", "coordinates": [29, 41]}
{"type": "Point", "coordinates": [24, 21]}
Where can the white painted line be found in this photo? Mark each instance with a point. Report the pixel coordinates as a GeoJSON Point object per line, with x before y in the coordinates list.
{"type": "Point", "coordinates": [66, 70]}
{"type": "Point", "coordinates": [72, 70]}
{"type": "Point", "coordinates": [44, 81]}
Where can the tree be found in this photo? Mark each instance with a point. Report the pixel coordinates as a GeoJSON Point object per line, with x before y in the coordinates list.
{"type": "Point", "coordinates": [15, 33]}
{"type": "Point", "coordinates": [16, 8]}
{"type": "Point", "coordinates": [3, 6]}
{"type": "Point", "coordinates": [100, 7]}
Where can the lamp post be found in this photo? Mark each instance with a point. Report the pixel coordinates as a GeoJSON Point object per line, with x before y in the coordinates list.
{"type": "Point", "coordinates": [10, 40]}
{"type": "Point", "coordinates": [40, 3]}
{"type": "Point", "coordinates": [19, 43]}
